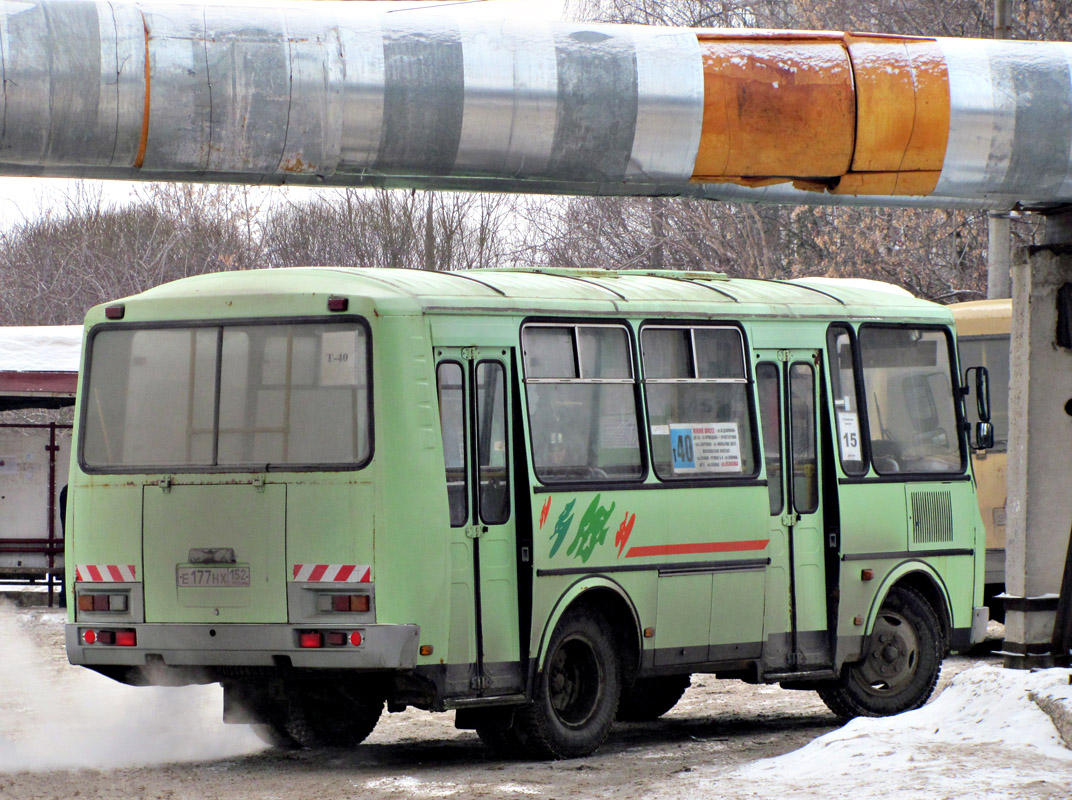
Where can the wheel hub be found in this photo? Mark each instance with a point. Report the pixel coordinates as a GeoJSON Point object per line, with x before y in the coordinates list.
{"type": "Point", "coordinates": [894, 655]}
{"type": "Point", "coordinates": [574, 682]}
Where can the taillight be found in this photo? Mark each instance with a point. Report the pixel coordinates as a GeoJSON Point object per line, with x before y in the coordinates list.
{"type": "Point", "coordinates": [98, 602]}
{"type": "Point", "coordinates": [344, 603]}
{"type": "Point", "coordinates": [125, 638]}
{"type": "Point", "coordinates": [317, 639]}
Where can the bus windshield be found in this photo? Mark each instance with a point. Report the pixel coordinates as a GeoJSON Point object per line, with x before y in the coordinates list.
{"type": "Point", "coordinates": [909, 398]}
{"type": "Point", "coordinates": [203, 397]}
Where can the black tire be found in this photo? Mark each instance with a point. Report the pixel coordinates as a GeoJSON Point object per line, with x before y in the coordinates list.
{"type": "Point", "coordinates": [650, 698]}
{"type": "Point", "coordinates": [901, 664]}
{"type": "Point", "coordinates": [318, 717]}
{"type": "Point", "coordinates": [575, 696]}
{"type": "Point", "coordinates": [274, 734]}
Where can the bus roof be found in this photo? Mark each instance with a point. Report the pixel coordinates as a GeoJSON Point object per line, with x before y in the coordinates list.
{"type": "Point", "coordinates": [983, 317]}
{"type": "Point", "coordinates": [555, 290]}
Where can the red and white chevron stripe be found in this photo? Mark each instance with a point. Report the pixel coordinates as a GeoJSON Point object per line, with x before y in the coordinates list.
{"type": "Point", "coordinates": [333, 573]}
{"type": "Point", "coordinates": [105, 573]}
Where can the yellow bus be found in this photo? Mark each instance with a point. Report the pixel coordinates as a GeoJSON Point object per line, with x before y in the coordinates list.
{"type": "Point", "coordinates": [983, 335]}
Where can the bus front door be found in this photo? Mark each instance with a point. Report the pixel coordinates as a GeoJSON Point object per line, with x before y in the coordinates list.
{"type": "Point", "coordinates": [789, 399]}
{"type": "Point", "coordinates": [484, 652]}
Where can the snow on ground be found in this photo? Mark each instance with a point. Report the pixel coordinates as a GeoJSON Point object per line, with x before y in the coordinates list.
{"type": "Point", "coordinates": [983, 737]}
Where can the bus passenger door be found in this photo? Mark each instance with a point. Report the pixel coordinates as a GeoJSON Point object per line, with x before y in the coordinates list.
{"type": "Point", "coordinates": [484, 650]}
{"type": "Point", "coordinates": [788, 386]}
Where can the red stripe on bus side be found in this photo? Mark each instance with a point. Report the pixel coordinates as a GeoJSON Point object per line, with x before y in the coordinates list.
{"type": "Point", "coordinates": [345, 572]}
{"type": "Point", "coordinates": [94, 573]}
{"type": "Point", "coordinates": [114, 572]}
{"type": "Point", "coordinates": [318, 572]}
{"type": "Point", "coordinates": [696, 548]}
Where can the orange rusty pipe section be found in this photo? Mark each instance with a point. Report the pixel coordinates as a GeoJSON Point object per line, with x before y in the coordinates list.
{"type": "Point", "coordinates": [139, 159]}
{"type": "Point", "coordinates": [854, 114]}
{"type": "Point", "coordinates": [775, 109]}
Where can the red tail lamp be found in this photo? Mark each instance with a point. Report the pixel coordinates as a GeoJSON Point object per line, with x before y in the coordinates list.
{"type": "Point", "coordinates": [310, 639]}
{"type": "Point", "coordinates": [126, 638]}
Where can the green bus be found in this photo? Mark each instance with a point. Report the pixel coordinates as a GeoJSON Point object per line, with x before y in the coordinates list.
{"type": "Point", "coordinates": [539, 498]}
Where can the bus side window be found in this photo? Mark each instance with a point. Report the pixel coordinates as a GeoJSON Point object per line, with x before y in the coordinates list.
{"type": "Point", "coordinates": [581, 396]}
{"type": "Point", "coordinates": [846, 406]}
{"type": "Point", "coordinates": [452, 422]}
{"type": "Point", "coordinates": [803, 439]}
{"type": "Point", "coordinates": [770, 413]}
{"type": "Point", "coordinates": [991, 352]}
{"type": "Point", "coordinates": [697, 394]}
{"type": "Point", "coordinates": [491, 443]}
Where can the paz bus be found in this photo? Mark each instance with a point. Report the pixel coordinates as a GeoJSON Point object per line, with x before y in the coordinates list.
{"type": "Point", "coordinates": [983, 327]}
{"type": "Point", "coordinates": [539, 498]}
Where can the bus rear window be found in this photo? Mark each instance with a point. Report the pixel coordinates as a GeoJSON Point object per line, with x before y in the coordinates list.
{"type": "Point", "coordinates": [909, 394]}
{"type": "Point", "coordinates": [264, 396]}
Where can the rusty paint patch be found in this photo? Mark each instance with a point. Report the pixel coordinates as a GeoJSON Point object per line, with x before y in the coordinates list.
{"type": "Point", "coordinates": [296, 164]}
{"type": "Point", "coordinates": [775, 109]}
{"type": "Point", "coordinates": [902, 100]}
{"type": "Point", "coordinates": [904, 184]}
{"type": "Point", "coordinates": [143, 143]}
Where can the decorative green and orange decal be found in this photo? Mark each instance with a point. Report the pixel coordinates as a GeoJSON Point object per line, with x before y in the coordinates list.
{"type": "Point", "coordinates": [592, 531]}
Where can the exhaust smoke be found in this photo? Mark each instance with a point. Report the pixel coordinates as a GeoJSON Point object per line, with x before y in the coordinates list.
{"type": "Point", "coordinates": [57, 716]}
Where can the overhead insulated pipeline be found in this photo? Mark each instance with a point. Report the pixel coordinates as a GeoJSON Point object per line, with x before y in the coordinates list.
{"type": "Point", "coordinates": [333, 93]}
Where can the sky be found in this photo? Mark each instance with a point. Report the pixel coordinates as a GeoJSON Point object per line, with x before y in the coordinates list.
{"type": "Point", "coordinates": [24, 199]}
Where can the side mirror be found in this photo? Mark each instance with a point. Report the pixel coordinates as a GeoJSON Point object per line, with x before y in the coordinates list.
{"type": "Point", "coordinates": [984, 436]}
{"type": "Point", "coordinates": [982, 392]}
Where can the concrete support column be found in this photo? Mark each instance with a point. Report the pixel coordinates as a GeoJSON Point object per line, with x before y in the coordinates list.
{"type": "Point", "coordinates": [998, 256]}
{"type": "Point", "coordinates": [1039, 512]}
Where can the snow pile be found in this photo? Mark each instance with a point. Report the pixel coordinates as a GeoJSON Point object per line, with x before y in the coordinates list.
{"type": "Point", "coordinates": [41, 348]}
{"type": "Point", "coordinates": [984, 736]}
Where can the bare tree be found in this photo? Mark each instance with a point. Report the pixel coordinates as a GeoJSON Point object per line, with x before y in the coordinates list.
{"type": "Point", "coordinates": [85, 251]}
{"type": "Point", "coordinates": [383, 228]}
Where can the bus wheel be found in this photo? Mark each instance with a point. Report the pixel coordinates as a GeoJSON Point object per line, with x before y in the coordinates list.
{"type": "Point", "coordinates": [650, 698]}
{"type": "Point", "coordinates": [320, 717]}
{"type": "Point", "coordinates": [901, 661]}
{"type": "Point", "coordinates": [575, 696]}
{"type": "Point", "coordinates": [275, 735]}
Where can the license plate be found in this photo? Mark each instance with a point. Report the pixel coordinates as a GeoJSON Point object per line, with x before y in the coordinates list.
{"type": "Point", "coordinates": [212, 576]}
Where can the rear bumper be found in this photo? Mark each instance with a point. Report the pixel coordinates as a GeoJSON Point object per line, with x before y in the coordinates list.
{"type": "Point", "coordinates": [382, 647]}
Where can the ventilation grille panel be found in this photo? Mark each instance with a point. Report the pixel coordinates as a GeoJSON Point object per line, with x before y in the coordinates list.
{"type": "Point", "coordinates": [932, 517]}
